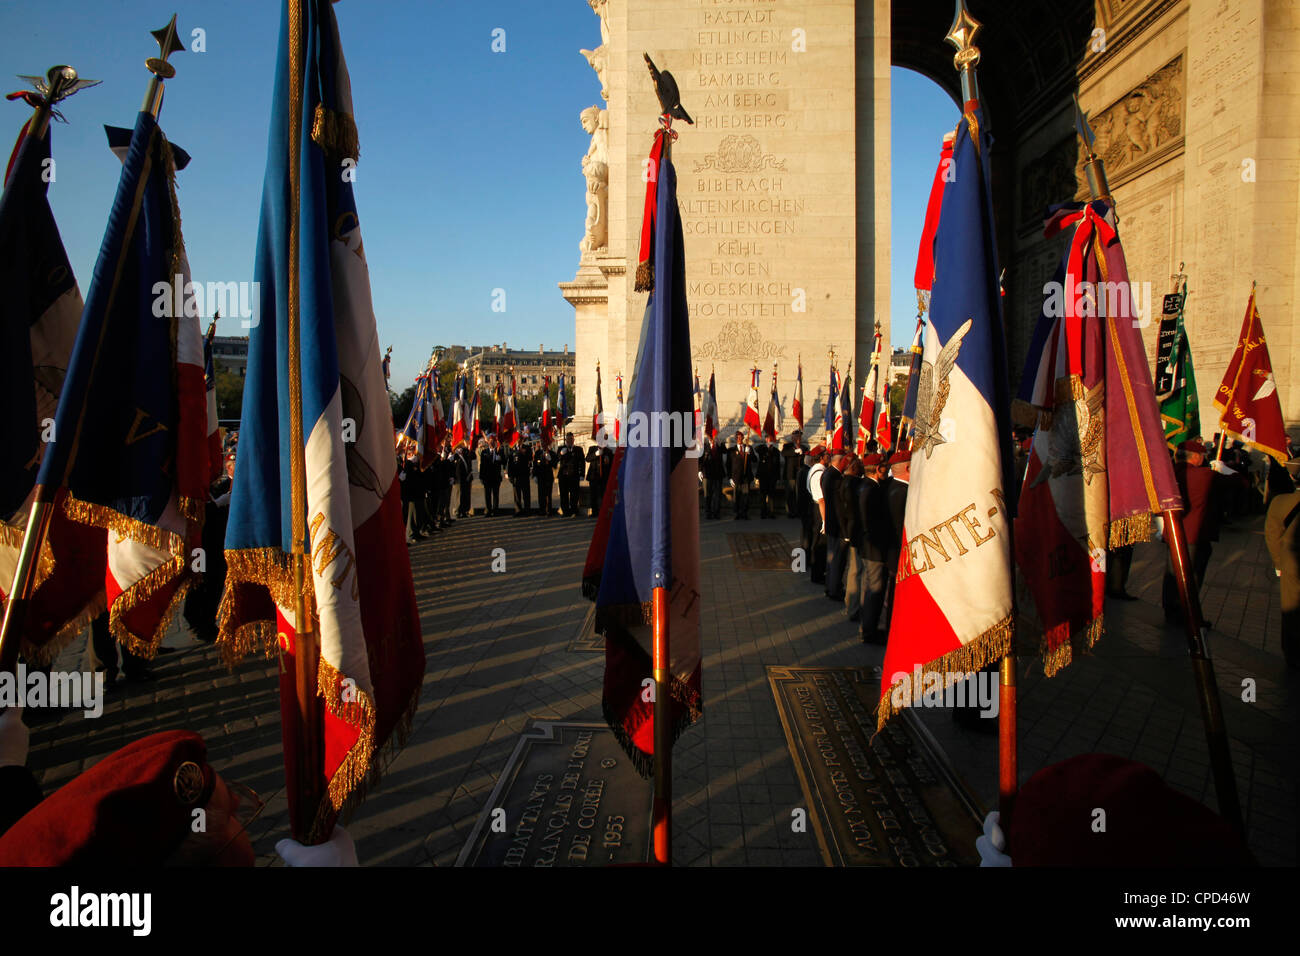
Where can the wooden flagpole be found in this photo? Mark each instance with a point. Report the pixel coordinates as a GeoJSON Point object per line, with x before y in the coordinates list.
{"type": "Point", "coordinates": [662, 812]}
{"type": "Point", "coordinates": [309, 768]}
{"type": "Point", "coordinates": [62, 81]}
{"type": "Point", "coordinates": [1207, 689]}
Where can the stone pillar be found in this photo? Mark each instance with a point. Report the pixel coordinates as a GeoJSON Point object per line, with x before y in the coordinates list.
{"type": "Point", "coordinates": [766, 190]}
{"type": "Point", "coordinates": [872, 104]}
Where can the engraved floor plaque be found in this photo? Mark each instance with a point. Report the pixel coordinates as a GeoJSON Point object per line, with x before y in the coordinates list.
{"type": "Point", "coordinates": [587, 640]}
{"type": "Point", "coordinates": [759, 552]}
{"type": "Point", "coordinates": [891, 801]}
{"type": "Point", "coordinates": [571, 798]}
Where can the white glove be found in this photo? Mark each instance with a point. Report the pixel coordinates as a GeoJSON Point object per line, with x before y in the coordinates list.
{"type": "Point", "coordinates": [992, 844]}
{"type": "Point", "coordinates": [1221, 468]}
{"type": "Point", "coordinates": [338, 850]}
{"type": "Point", "coordinates": [1157, 527]}
{"type": "Point", "coordinates": [732, 482]}
{"type": "Point", "coordinates": [823, 527]}
{"type": "Point", "coordinates": [14, 738]}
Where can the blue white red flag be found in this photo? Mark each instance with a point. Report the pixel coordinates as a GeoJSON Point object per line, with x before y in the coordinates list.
{"type": "Point", "coordinates": [842, 437]}
{"type": "Point", "coordinates": [435, 424]}
{"type": "Point", "coordinates": [751, 402]}
{"type": "Point", "coordinates": [563, 403]}
{"type": "Point", "coordinates": [508, 430]}
{"type": "Point", "coordinates": [410, 441]}
{"type": "Point", "coordinates": [654, 525]}
{"type": "Point", "coordinates": [129, 441]}
{"type": "Point", "coordinates": [359, 590]}
{"type": "Point", "coordinates": [953, 588]}
{"type": "Point", "coordinates": [772, 421]}
{"type": "Point", "coordinates": [832, 401]}
{"type": "Point", "coordinates": [546, 411]}
{"type": "Point", "coordinates": [39, 314]}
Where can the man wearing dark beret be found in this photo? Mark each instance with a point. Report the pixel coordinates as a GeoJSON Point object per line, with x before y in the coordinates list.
{"type": "Point", "coordinates": [139, 806]}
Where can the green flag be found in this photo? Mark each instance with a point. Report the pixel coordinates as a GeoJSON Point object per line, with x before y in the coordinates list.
{"type": "Point", "coordinates": [1175, 378]}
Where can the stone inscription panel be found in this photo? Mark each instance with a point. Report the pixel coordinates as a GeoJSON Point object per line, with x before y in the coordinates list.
{"type": "Point", "coordinates": [887, 801]}
{"type": "Point", "coordinates": [571, 798]}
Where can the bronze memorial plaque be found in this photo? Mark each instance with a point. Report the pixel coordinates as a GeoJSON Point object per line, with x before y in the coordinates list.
{"type": "Point", "coordinates": [571, 798]}
{"type": "Point", "coordinates": [888, 801]}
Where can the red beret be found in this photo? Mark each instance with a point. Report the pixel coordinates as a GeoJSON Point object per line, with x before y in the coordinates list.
{"type": "Point", "coordinates": [872, 460]}
{"type": "Point", "coordinates": [133, 808]}
{"type": "Point", "coordinates": [1147, 822]}
{"type": "Point", "coordinates": [1193, 446]}
{"type": "Point", "coordinates": [899, 457]}
{"type": "Point", "coordinates": [818, 450]}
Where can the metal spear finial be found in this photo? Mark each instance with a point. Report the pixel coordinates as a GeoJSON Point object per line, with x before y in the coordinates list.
{"type": "Point", "coordinates": [962, 36]}
{"type": "Point", "coordinates": [168, 43]}
{"type": "Point", "coordinates": [1093, 167]}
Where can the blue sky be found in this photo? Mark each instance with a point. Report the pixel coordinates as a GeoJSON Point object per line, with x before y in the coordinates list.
{"type": "Point", "coordinates": [469, 178]}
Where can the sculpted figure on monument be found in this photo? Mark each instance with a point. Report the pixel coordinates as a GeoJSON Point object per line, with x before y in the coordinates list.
{"type": "Point", "coordinates": [595, 167]}
{"type": "Point", "coordinates": [596, 60]}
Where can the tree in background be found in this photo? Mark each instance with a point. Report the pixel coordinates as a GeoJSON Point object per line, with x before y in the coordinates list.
{"type": "Point", "coordinates": [230, 394]}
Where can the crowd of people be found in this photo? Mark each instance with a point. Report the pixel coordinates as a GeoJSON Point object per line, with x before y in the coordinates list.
{"type": "Point", "coordinates": [428, 487]}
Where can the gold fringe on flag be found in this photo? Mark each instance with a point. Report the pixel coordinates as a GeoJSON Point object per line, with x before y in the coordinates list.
{"type": "Point", "coordinates": [336, 133]}
{"type": "Point", "coordinates": [13, 537]}
{"type": "Point", "coordinates": [161, 577]}
{"type": "Point", "coordinates": [1079, 643]}
{"type": "Point", "coordinates": [268, 568]}
{"type": "Point", "coordinates": [645, 276]}
{"type": "Point", "coordinates": [1132, 529]}
{"type": "Point", "coordinates": [990, 646]}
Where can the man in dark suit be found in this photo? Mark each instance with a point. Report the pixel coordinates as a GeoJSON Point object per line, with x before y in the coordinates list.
{"type": "Point", "coordinates": [1203, 510]}
{"type": "Point", "coordinates": [743, 469]}
{"type": "Point", "coordinates": [835, 550]}
{"type": "Point", "coordinates": [491, 461]}
{"type": "Point", "coordinates": [570, 476]}
{"type": "Point", "coordinates": [769, 476]}
{"type": "Point", "coordinates": [714, 473]}
{"type": "Point", "coordinates": [520, 468]}
{"type": "Point", "coordinates": [1282, 535]}
{"type": "Point", "coordinates": [464, 465]}
{"type": "Point", "coordinates": [446, 480]}
{"type": "Point", "coordinates": [876, 525]}
{"type": "Point", "coordinates": [849, 513]}
{"type": "Point", "coordinates": [544, 472]}
{"type": "Point", "coordinates": [792, 460]}
{"type": "Point", "coordinates": [895, 507]}
{"type": "Point", "coordinates": [600, 462]}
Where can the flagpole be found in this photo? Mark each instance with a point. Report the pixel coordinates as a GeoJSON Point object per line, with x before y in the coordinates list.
{"type": "Point", "coordinates": [1207, 689]}
{"type": "Point", "coordinates": [63, 82]}
{"type": "Point", "coordinates": [961, 35]}
{"type": "Point", "coordinates": [306, 648]}
{"type": "Point", "coordinates": [662, 815]}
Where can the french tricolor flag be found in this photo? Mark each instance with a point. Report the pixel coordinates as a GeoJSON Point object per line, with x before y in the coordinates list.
{"type": "Point", "coordinates": [751, 402]}
{"type": "Point", "coordinates": [953, 599]}
{"type": "Point", "coordinates": [360, 589]}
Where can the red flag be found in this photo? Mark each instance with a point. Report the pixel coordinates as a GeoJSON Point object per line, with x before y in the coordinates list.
{"type": "Point", "coordinates": [1247, 398]}
{"type": "Point", "coordinates": [1097, 468]}
{"type": "Point", "coordinates": [751, 402]}
{"type": "Point", "coordinates": [796, 406]}
{"type": "Point", "coordinates": [711, 416]}
{"type": "Point", "coordinates": [924, 278]}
